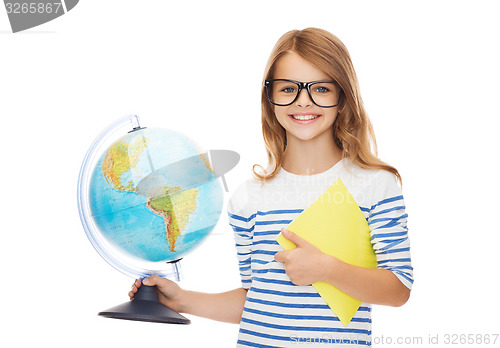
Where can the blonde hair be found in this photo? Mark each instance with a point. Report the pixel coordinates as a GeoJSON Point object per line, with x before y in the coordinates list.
{"type": "Point", "coordinates": [353, 131]}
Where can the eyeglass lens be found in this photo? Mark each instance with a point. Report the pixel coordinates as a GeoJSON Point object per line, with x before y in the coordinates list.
{"type": "Point", "coordinates": [284, 93]}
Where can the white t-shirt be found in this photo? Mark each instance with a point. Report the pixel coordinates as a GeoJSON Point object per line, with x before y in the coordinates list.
{"type": "Point", "coordinates": [278, 313]}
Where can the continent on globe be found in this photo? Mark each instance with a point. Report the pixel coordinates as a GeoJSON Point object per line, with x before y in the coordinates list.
{"type": "Point", "coordinates": [121, 157]}
{"type": "Point", "coordinates": [175, 208]}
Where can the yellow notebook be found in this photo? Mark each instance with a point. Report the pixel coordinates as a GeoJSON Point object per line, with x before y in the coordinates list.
{"type": "Point", "coordinates": [335, 224]}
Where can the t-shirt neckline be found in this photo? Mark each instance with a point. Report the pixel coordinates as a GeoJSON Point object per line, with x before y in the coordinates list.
{"type": "Point", "coordinates": [299, 177]}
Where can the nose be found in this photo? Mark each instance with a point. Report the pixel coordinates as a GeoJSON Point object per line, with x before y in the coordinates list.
{"type": "Point", "coordinates": [303, 99]}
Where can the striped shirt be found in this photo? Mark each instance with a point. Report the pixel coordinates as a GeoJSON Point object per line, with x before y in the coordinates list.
{"type": "Point", "coordinates": [278, 313]}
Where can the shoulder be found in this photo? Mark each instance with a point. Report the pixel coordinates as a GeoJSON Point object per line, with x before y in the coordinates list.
{"type": "Point", "coordinates": [241, 199]}
{"type": "Point", "coordinates": [368, 177]}
{"type": "Point", "coordinates": [370, 186]}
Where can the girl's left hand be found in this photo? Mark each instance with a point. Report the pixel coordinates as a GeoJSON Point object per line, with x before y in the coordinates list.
{"type": "Point", "coordinates": [305, 264]}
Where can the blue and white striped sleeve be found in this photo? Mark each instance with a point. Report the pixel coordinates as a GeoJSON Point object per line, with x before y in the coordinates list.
{"type": "Point", "coordinates": [389, 231]}
{"type": "Point", "coordinates": [242, 222]}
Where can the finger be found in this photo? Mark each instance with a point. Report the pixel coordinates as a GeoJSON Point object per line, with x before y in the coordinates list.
{"type": "Point", "coordinates": [292, 237]}
{"type": "Point", "coordinates": [153, 280]}
{"type": "Point", "coordinates": [280, 256]}
{"type": "Point", "coordinates": [137, 283]}
{"type": "Point", "coordinates": [135, 286]}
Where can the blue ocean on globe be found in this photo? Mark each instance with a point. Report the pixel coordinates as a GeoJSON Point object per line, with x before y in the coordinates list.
{"type": "Point", "coordinates": [146, 205]}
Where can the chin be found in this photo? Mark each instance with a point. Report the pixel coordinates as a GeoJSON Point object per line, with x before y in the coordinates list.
{"type": "Point", "coordinates": [304, 136]}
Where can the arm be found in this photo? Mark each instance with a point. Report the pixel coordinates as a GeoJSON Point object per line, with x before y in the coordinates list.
{"type": "Point", "coordinates": [306, 264]}
{"type": "Point", "coordinates": [377, 286]}
{"type": "Point", "coordinates": [226, 306]}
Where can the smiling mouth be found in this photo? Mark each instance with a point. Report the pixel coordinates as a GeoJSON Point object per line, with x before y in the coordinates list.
{"type": "Point", "coordinates": [304, 117]}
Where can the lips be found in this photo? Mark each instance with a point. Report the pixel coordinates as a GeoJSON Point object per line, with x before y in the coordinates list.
{"type": "Point", "coordinates": [304, 118]}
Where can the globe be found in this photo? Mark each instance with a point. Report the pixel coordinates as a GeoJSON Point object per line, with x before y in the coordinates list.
{"type": "Point", "coordinates": [154, 227]}
{"type": "Point", "coordinates": [147, 198]}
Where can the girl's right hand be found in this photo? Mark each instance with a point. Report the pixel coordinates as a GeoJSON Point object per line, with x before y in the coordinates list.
{"type": "Point", "coordinates": [169, 293]}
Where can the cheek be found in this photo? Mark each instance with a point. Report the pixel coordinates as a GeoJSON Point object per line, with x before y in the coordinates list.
{"type": "Point", "coordinates": [331, 116]}
{"type": "Point", "coordinates": [281, 121]}
{"type": "Point", "coordinates": [281, 116]}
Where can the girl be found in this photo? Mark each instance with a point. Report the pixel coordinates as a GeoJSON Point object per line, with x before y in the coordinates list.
{"type": "Point", "coordinates": [316, 131]}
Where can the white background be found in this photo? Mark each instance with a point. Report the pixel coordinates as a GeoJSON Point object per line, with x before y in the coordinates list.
{"type": "Point", "coordinates": [429, 77]}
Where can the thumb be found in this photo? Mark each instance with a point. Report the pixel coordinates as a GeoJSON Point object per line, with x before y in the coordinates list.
{"type": "Point", "coordinates": [292, 237]}
{"type": "Point", "coordinates": [152, 280]}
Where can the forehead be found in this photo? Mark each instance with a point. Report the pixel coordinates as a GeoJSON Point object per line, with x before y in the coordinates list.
{"type": "Point", "coordinates": [293, 67]}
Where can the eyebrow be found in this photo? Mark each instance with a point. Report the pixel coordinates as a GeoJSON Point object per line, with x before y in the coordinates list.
{"type": "Point", "coordinates": [322, 80]}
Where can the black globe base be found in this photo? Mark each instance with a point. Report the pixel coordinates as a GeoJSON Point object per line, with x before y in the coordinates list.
{"type": "Point", "coordinates": [145, 307]}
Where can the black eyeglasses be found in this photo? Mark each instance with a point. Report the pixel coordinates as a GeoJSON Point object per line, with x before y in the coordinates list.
{"type": "Point", "coordinates": [282, 92]}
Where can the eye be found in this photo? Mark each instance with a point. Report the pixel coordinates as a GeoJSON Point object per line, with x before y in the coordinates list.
{"type": "Point", "coordinates": [321, 89]}
{"type": "Point", "coordinates": [289, 90]}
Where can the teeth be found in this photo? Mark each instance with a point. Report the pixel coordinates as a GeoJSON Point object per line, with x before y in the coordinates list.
{"type": "Point", "coordinates": [304, 118]}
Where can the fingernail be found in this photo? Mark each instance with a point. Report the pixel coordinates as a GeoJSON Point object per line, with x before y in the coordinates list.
{"type": "Point", "coordinates": [145, 281]}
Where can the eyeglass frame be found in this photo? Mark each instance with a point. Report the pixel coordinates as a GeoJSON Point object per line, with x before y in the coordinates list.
{"type": "Point", "coordinates": [302, 85]}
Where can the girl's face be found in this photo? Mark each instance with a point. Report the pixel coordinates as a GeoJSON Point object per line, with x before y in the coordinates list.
{"type": "Point", "coordinates": [303, 120]}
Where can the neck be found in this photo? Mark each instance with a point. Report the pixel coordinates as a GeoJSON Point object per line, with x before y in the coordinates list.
{"type": "Point", "coordinates": [312, 156]}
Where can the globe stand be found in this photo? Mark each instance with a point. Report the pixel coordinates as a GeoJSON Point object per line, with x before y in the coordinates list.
{"type": "Point", "coordinates": [145, 307]}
